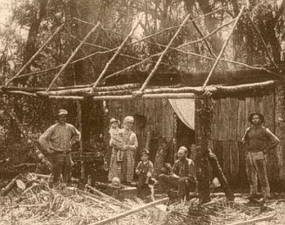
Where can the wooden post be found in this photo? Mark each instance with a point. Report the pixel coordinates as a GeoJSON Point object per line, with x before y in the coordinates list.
{"type": "Point", "coordinates": [79, 113]}
{"type": "Point", "coordinates": [203, 134]}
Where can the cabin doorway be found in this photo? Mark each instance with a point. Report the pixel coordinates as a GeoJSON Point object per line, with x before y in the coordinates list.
{"type": "Point", "coordinates": [184, 135]}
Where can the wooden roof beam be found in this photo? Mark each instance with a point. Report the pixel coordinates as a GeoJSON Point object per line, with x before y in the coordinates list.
{"type": "Point", "coordinates": [223, 48]}
{"type": "Point", "coordinates": [163, 54]}
{"type": "Point", "coordinates": [72, 55]}
{"type": "Point", "coordinates": [35, 55]}
{"type": "Point", "coordinates": [114, 56]}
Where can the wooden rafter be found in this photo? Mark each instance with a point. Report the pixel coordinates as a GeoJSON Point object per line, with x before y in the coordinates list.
{"type": "Point", "coordinates": [35, 55]}
{"type": "Point", "coordinates": [207, 44]}
{"type": "Point", "coordinates": [262, 41]}
{"type": "Point", "coordinates": [253, 67]}
{"type": "Point", "coordinates": [163, 53]}
{"type": "Point", "coordinates": [204, 38]}
{"type": "Point", "coordinates": [72, 55]}
{"type": "Point", "coordinates": [114, 56]}
{"type": "Point", "coordinates": [223, 48]}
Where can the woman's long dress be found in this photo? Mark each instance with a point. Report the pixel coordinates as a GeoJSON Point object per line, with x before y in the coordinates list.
{"type": "Point", "coordinates": [128, 164]}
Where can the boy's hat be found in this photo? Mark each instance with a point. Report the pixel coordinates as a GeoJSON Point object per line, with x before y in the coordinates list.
{"type": "Point", "coordinates": [113, 120]}
{"type": "Point", "coordinates": [62, 112]}
{"type": "Point", "coordinates": [145, 151]}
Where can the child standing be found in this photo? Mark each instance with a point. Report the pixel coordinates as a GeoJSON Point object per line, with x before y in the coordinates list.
{"type": "Point", "coordinates": [144, 171]}
{"type": "Point", "coordinates": [116, 139]}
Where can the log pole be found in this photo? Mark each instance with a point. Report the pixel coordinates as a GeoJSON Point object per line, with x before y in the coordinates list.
{"type": "Point", "coordinates": [79, 113]}
{"type": "Point", "coordinates": [223, 48]}
{"type": "Point", "coordinates": [129, 212]}
{"type": "Point", "coordinates": [203, 134]}
{"type": "Point", "coordinates": [72, 55]}
{"type": "Point", "coordinates": [35, 55]}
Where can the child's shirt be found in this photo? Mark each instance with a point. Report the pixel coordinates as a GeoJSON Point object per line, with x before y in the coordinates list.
{"type": "Point", "coordinates": [145, 167]}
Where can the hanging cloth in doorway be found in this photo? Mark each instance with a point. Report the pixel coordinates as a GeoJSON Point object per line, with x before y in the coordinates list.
{"type": "Point", "coordinates": [185, 110]}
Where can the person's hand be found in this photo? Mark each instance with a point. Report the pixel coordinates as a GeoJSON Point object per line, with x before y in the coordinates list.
{"type": "Point", "coordinates": [137, 172]}
{"type": "Point", "coordinates": [148, 174]}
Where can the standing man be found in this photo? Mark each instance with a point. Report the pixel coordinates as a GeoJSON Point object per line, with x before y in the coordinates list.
{"type": "Point", "coordinates": [182, 176]}
{"type": "Point", "coordinates": [57, 141]}
{"type": "Point", "coordinates": [130, 146]}
{"type": "Point", "coordinates": [258, 141]}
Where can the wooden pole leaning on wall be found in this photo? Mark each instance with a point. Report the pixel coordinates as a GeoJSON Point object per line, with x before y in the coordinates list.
{"type": "Point", "coordinates": [223, 48]}
{"type": "Point", "coordinates": [79, 113]}
{"type": "Point", "coordinates": [35, 55]}
{"type": "Point", "coordinates": [72, 55]}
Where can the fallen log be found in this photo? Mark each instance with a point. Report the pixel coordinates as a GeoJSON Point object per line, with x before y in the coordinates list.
{"type": "Point", "coordinates": [9, 186]}
{"type": "Point", "coordinates": [23, 165]}
{"type": "Point", "coordinates": [40, 175]}
{"type": "Point", "coordinates": [129, 212]}
{"type": "Point", "coordinates": [100, 193]}
{"type": "Point", "coordinates": [260, 219]}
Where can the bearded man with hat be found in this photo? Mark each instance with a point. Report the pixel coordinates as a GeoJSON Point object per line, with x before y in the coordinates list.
{"type": "Point", "coordinates": [57, 140]}
{"type": "Point", "coordinates": [258, 141]}
{"type": "Point", "coordinates": [182, 176]}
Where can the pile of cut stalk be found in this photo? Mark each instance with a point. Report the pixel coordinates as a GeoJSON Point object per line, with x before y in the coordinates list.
{"type": "Point", "coordinates": [30, 201]}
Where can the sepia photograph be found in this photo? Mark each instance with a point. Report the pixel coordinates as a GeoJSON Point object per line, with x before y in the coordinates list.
{"type": "Point", "coordinates": [142, 112]}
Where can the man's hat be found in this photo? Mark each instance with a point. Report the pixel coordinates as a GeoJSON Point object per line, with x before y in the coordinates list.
{"type": "Point", "coordinates": [254, 114]}
{"type": "Point", "coordinates": [113, 120]}
{"type": "Point", "coordinates": [62, 112]}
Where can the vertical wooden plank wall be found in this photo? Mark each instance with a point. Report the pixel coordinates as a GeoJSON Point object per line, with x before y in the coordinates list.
{"type": "Point", "coordinates": [158, 113]}
{"type": "Point", "coordinates": [229, 124]}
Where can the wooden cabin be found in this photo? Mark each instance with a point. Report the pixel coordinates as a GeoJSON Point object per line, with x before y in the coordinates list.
{"type": "Point", "coordinates": [230, 114]}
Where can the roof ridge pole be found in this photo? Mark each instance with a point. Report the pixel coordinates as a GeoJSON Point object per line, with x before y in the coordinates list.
{"type": "Point", "coordinates": [163, 54]}
{"type": "Point", "coordinates": [223, 49]}
{"type": "Point", "coordinates": [34, 55]}
{"type": "Point", "coordinates": [73, 54]}
{"type": "Point", "coordinates": [113, 57]}
{"type": "Point", "coordinates": [263, 41]}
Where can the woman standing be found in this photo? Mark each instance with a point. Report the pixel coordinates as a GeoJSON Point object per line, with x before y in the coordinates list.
{"type": "Point", "coordinates": [130, 145]}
